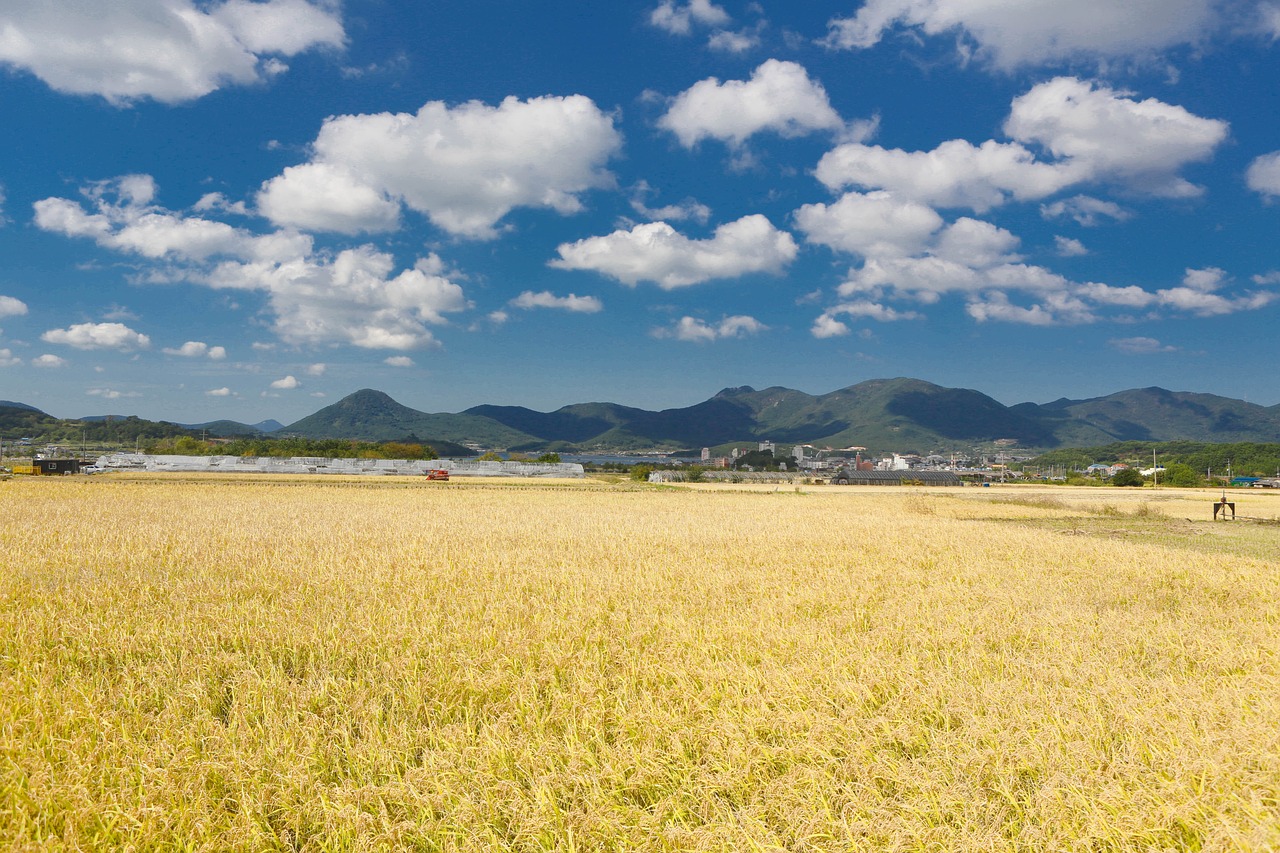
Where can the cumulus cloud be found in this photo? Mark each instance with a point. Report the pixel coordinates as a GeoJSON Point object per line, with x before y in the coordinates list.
{"type": "Point", "coordinates": [828, 326]}
{"type": "Point", "coordinates": [779, 97]}
{"type": "Point", "coordinates": [464, 167]}
{"type": "Point", "coordinates": [730, 41]}
{"type": "Point", "coordinates": [1068, 247]}
{"type": "Point", "coordinates": [1263, 175]}
{"type": "Point", "coordinates": [8, 359]}
{"type": "Point", "coordinates": [955, 174]}
{"type": "Point", "coordinates": [1087, 211]}
{"type": "Point", "coordinates": [398, 361]}
{"type": "Point", "coordinates": [48, 360]}
{"type": "Point", "coordinates": [547, 299]}
{"type": "Point", "coordinates": [197, 349]}
{"type": "Point", "coordinates": [697, 331]}
{"type": "Point", "coordinates": [1109, 136]}
{"type": "Point", "coordinates": [688, 209]}
{"type": "Point", "coordinates": [166, 50]}
{"type": "Point", "coordinates": [110, 393]}
{"type": "Point", "coordinates": [908, 252]}
{"type": "Point", "coordinates": [355, 296]}
{"type": "Point", "coordinates": [657, 252]}
{"type": "Point", "coordinates": [679, 18]}
{"type": "Point", "coordinates": [871, 224]}
{"type": "Point", "coordinates": [90, 336]}
{"type": "Point", "coordinates": [288, 383]}
{"type": "Point", "coordinates": [1093, 134]}
{"type": "Point", "coordinates": [1035, 32]}
{"type": "Point", "coordinates": [218, 392]}
{"type": "Point", "coordinates": [1140, 346]}
{"type": "Point", "coordinates": [11, 307]}
{"type": "Point", "coordinates": [327, 197]}
{"type": "Point", "coordinates": [316, 369]}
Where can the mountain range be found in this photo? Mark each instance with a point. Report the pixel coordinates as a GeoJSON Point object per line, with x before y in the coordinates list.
{"type": "Point", "coordinates": [882, 415]}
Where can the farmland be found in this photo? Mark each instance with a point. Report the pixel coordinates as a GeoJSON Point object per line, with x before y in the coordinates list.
{"type": "Point", "coordinates": [224, 663]}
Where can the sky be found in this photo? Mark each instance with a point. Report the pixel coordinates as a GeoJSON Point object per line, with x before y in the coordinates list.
{"type": "Point", "coordinates": [248, 209]}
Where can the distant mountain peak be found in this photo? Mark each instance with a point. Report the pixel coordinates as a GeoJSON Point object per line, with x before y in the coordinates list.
{"type": "Point", "coordinates": [733, 392]}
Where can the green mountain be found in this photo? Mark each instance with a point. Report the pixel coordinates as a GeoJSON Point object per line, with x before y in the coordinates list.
{"type": "Point", "coordinates": [371, 415]}
{"type": "Point", "coordinates": [882, 415]}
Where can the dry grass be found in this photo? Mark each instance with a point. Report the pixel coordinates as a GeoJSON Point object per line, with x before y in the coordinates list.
{"type": "Point", "coordinates": [357, 666]}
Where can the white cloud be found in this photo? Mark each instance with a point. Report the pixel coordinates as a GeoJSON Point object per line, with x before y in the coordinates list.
{"type": "Point", "coordinates": [89, 336]}
{"type": "Point", "coordinates": [1094, 135]}
{"type": "Point", "coordinates": [955, 174]}
{"type": "Point", "coordinates": [326, 197]}
{"type": "Point", "coordinates": [498, 317]}
{"type": "Point", "coordinates": [1087, 211]}
{"type": "Point", "coordinates": [678, 19]}
{"type": "Point", "coordinates": [354, 296]}
{"type": "Point", "coordinates": [656, 252]}
{"type": "Point", "coordinates": [547, 299]}
{"type": "Point", "coordinates": [110, 393]}
{"type": "Point", "coordinates": [688, 209]}
{"type": "Point", "coordinates": [1107, 136]}
{"type": "Point", "coordinates": [872, 224]}
{"type": "Point", "coordinates": [11, 307]}
{"type": "Point", "coordinates": [218, 392]}
{"type": "Point", "coordinates": [779, 97]}
{"type": "Point", "coordinates": [1204, 280]}
{"type": "Point", "coordinates": [464, 167]}
{"type": "Point", "coordinates": [827, 326]}
{"type": "Point", "coordinates": [1263, 175]}
{"type": "Point", "coordinates": [1140, 345]}
{"type": "Point", "coordinates": [288, 383]}
{"type": "Point", "coordinates": [316, 369]}
{"type": "Point", "coordinates": [733, 42]}
{"type": "Point", "coordinates": [197, 349]}
{"type": "Point", "coordinates": [1202, 303]}
{"type": "Point", "coordinates": [398, 361]}
{"type": "Point", "coordinates": [48, 360]}
{"type": "Point", "coordinates": [1068, 247]}
{"type": "Point", "coordinates": [1035, 32]}
{"type": "Point", "coordinates": [168, 50]}
{"type": "Point", "coordinates": [698, 331]}
{"type": "Point", "coordinates": [217, 202]}
{"type": "Point", "coordinates": [8, 359]}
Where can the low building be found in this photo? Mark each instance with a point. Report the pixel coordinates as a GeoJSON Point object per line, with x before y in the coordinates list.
{"type": "Point", "coordinates": [56, 466]}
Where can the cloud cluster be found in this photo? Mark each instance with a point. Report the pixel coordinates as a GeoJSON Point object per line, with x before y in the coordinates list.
{"type": "Point", "coordinates": [1065, 132]}
{"type": "Point", "coordinates": [464, 167]}
{"type": "Point", "coordinates": [546, 299]}
{"type": "Point", "coordinates": [1021, 33]}
{"type": "Point", "coordinates": [167, 50]}
{"type": "Point", "coordinates": [657, 252]}
{"type": "Point", "coordinates": [197, 349]}
{"type": "Point", "coordinates": [103, 336]}
{"type": "Point", "coordinates": [355, 296]}
{"type": "Point", "coordinates": [780, 97]}
{"type": "Point", "coordinates": [12, 307]}
{"type": "Point", "coordinates": [698, 331]}
{"type": "Point", "coordinates": [1090, 133]}
{"type": "Point", "coordinates": [678, 19]}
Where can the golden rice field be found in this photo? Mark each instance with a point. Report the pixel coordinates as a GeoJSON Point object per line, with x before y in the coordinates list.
{"type": "Point", "coordinates": [292, 664]}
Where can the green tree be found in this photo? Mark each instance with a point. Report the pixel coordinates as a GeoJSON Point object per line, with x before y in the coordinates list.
{"type": "Point", "coordinates": [641, 472]}
{"type": "Point", "coordinates": [1179, 474]}
{"type": "Point", "coordinates": [1128, 477]}
{"type": "Point", "coordinates": [490, 456]}
{"type": "Point", "coordinates": [549, 457]}
{"type": "Point", "coordinates": [695, 474]}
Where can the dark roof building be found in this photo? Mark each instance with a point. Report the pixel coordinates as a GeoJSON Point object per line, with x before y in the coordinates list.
{"type": "Point", "coordinates": [898, 478]}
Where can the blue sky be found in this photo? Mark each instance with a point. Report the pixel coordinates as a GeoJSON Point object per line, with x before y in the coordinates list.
{"type": "Point", "coordinates": [250, 209]}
